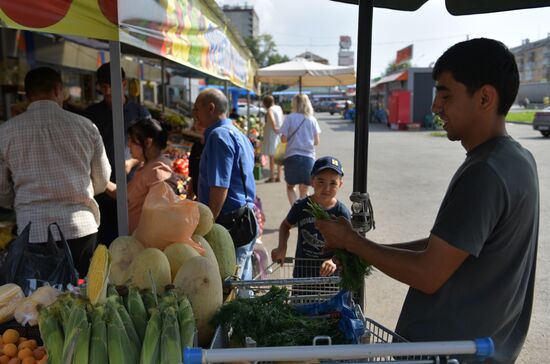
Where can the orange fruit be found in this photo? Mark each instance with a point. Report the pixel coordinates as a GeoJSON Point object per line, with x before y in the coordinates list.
{"type": "Point", "coordinates": [21, 339]}
{"type": "Point", "coordinates": [10, 336]}
{"type": "Point", "coordinates": [39, 353]}
{"type": "Point", "coordinates": [33, 344]}
{"type": "Point", "coordinates": [10, 350]}
{"type": "Point", "coordinates": [4, 359]}
{"type": "Point", "coordinates": [23, 353]}
{"type": "Point", "coordinates": [29, 360]}
{"type": "Point", "coordinates": [14, 361]}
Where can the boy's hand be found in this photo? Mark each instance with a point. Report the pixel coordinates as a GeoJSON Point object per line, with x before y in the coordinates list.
{"type": "Point", "coordinates": [327, 268]}
{"type": "Point", "coordinates": [336, 232]}
{"type": "Point", "coordinates": [278, 255]}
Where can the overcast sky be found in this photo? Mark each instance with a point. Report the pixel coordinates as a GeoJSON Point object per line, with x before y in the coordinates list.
{"type": "Point", "coordinates": [315, 25]}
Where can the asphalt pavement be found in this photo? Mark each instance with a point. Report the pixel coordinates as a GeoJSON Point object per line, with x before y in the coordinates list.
{"type": "Point", "coordinates": [408, 174]}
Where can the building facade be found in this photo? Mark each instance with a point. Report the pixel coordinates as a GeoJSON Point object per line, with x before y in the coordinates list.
{"type": "Point", "coordinates": [244, 18]}
{"type": "Point", "coordinates": [533, 59]}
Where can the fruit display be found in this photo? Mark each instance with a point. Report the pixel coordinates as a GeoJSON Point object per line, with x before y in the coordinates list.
{"type": "Point", "coordinates": [17, 349]}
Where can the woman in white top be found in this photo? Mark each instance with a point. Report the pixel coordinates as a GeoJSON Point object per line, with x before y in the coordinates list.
{"type": "Point", "coordinates": [273, 122]}
{"type": "Point", "coordinates": [300, 131]}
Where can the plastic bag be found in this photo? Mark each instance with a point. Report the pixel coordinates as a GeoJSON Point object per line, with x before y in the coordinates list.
{"type": "Point", "coordinates": [166, 219]}
{"type": "Point", "coordinates": [33, 265]}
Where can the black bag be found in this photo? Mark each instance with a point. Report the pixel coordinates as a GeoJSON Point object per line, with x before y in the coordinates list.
{"type": "Point", "coordinates": [241, 225]}
{"type": "Point", "coordinates": [33, 265]}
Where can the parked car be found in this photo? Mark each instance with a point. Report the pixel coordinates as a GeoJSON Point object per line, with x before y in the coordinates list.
{"type": "Point", "coordinates": [254, 110]}
{"type": "Point", "coordinates": [541, 122]}
{"type": "Point", "coordinates": [338, 106]}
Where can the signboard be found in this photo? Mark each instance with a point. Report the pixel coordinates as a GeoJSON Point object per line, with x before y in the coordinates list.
{"type": "Point", "coordinates": [345, 42]}
{"type": "Point", "coordinates": [404, 55]}
{"type": "Point", "coordinates": [346, 58]}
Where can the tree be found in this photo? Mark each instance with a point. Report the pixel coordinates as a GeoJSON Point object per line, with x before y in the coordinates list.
{"type": "Point", "coordinates": [394, 67]}
{"type": "Point", "coordinates": [264, 50]}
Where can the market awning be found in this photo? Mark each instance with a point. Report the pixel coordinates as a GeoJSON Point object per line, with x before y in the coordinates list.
{"type": "Point", "coordinates": [398, 76]}
{"type": "Point", "coordinates": [190, 33]}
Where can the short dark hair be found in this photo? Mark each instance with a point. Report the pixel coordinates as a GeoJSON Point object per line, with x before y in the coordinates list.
{"type": "Point", "coordinates": [268, 101]}
{"type": "Point", "coordinates": [42, 80]}
{"type": "Point", "coordinates": [103, 73]}
{"type": "Point", "coordinates": [148, 128]}
{"type": "Point", "coordinates": [479, 62]}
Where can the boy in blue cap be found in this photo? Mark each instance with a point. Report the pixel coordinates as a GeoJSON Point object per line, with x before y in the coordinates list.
{"type": "Point", "coordinates": [326, 180]}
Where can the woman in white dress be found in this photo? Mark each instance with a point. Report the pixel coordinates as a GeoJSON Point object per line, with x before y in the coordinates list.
{"type": "Point", "coordinates": [273, 122]}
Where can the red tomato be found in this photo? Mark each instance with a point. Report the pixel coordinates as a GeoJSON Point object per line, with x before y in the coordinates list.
{"type": "Point", "coordinates": [35, 14]}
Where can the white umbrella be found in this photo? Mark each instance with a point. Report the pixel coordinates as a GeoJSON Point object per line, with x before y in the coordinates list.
{"type": "Point", "coordinates": [306, 73]}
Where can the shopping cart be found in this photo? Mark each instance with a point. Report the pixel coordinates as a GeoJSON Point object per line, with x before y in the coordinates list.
{"type": "Point", "coordinates": [309, 287]}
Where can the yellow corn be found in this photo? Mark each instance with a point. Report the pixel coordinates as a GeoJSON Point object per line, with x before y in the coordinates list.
{"type": "Point", "coordinates": [98, 275]}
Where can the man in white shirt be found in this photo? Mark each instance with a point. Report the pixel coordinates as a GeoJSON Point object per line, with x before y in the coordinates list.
{"type": "Point", "coordinates": [52, 163]}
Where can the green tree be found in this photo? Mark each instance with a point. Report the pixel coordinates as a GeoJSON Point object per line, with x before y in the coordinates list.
{"type": "Point", "coordinates": [394, 67]}
{"type": "Point", "coordinates": [264, 50]}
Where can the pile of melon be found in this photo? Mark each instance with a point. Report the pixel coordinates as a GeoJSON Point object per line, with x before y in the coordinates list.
{"type": "Point", "coordinates": [197, 271]}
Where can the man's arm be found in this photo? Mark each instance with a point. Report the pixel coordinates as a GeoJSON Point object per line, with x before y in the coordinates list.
{"type": "Point", "coordinates": [100, 167]}
{"type": "Point", "coordinates": [426, 270]}
{"type": "Point", "coordinates": [417, 245]}
{"type": "Point", "coordinates": [217, 199]}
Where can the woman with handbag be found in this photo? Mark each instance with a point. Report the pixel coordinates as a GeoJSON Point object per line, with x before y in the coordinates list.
{"type": "Point", "coordinates": [300, 132]}
{"type": "Point", "coordinates": [273, 121]}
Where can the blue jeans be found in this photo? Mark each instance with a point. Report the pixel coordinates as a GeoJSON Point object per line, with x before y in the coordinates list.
{"type": "Point", "coordinates": [244, 258]}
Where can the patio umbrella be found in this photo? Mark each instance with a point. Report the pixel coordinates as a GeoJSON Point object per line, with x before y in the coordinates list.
{"type": "Point", "coordinates": [306, 73]}
{"type": "Point", "coordinates": [362, 211]}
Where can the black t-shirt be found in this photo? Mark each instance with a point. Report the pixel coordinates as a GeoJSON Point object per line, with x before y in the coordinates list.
{"type": "Point", "coordinates": [102, 116]}
{"type": "Point", "coordinates": [491, 211]}
{"type": "Point", "coordinates": [310, 241]}
{"type": "Point", "coordinates": [194, 163]}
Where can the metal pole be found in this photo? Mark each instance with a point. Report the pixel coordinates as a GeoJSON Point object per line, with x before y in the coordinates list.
{"type": "Point", "coordinates": [189, 90]}
{"type": "Point", "coordinates": [247, 112]}
{"type": "Point", "coordinates": [163, 86]}
{"type": "Point", "coordinates": [119, 138]}
{"type": "Point", "coordinates": [300, 84]}
{"type": "Point", "coordinates": [363, 95]}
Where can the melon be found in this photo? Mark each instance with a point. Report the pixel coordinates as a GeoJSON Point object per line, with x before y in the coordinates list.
{"type": "Point", "coordinates": [208, 252]}
{"type": "Point", "coordinates": [198, 279]}
{"type": "Point", "coordinates": [222, 245]}
{"type": "Point", "coordinates": [177, 254]}
{"type": "Point", "coordinates": [122, 250]}
{"type": "Point", "coordinates": [206, 220]}
{"type": "Point", "coordinates": [150, 266]}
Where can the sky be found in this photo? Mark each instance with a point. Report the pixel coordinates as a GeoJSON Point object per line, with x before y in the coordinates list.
{"type": "Point", "coordinates": [316, 25]}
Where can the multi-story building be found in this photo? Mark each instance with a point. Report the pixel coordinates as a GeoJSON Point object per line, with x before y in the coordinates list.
{"type": "Point", "coordinates": [244, 18]}
{"type": "Point", "coordinates": [533, 59]}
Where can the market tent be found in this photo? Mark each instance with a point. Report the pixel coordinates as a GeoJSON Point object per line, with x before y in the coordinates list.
{"type": "Point", "coordinates": [192, 33]}
{"type": "Point", "coordinates": [362, 218]}
{"type": "Point", "coordinates": [302, 72]}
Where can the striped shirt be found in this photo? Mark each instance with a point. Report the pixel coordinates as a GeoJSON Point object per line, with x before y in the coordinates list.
{"type": "Point", "coordinates": [52, 163]}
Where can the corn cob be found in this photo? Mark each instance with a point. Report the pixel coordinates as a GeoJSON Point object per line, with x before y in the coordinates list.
{"type": "Point", "coordinates": [121, 350]}
{"type": "Point", "coordinates": [149, 300]}
{"type": "Point", "coordinates": [82, 350]}
{"type": "Point", "coordinates": [98, 341]}
{"type": "Point", "coordinates": [98, 275]}
{"type": "Point", "coordinates": [137, 312]}
{"type": "Point", "coordinates": [76, 328]}
{"type": "Point", "coordinates": [51, 333]}
{"type": "Point", "coordinates": [170, 343]}
{"type": "Point", "coordinates": [186, 322]}
{"type": "Point", "coordinates": [129, 326]}
{"type": "Point", "coordinates": [150, 350]}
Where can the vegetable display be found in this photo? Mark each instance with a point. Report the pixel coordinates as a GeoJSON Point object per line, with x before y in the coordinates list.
{"type": "Point", "coordinates": [354, 269]}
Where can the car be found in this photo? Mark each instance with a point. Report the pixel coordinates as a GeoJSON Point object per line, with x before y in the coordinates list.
{"type": "Point", "coordinates": [541, 122]}
{"type": "Point", "coordinates": [254, 110]}
{"type": "Point", "coordinates": [338, 106]}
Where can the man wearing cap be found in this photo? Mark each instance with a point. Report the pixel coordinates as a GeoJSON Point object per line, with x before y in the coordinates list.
{"type": "Point", "coordinates": [313, 260]}
{"type": "Point", "coordinates": [101, 115]}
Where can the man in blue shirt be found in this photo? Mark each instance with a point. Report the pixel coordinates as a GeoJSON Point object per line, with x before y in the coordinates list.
{"type": "Point", "coordinates": [226, 149]}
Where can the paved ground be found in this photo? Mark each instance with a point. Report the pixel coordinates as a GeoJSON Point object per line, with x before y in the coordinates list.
{"type": "Point", "coordinates": [408, 175]}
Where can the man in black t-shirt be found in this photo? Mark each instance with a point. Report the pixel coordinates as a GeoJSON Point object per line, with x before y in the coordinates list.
{"type": "Point", "coordinates": [474, 275]}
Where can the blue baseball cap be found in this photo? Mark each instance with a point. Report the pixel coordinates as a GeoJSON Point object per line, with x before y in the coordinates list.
{"type": "Point", "coordinates": [327, 163]}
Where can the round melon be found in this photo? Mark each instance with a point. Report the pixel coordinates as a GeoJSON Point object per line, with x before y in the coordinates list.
{"type": "Point", "coordinates": [198, 279]}
{"type": "Point", "coordinates": [222, 244]}
{"type": "Point", "coordinates": [208, 252]}
{"type": "Point", "coordinates": [177, 254]}
{"type": "Point", "coordinates": [122, 250]}
{"type": "Point", "coordinates": [206, 220]}
{"type": "Point", "coordinates": [150, 265]}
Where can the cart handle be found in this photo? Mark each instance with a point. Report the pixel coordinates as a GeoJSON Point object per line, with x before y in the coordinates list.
{"type": "Point", "coordinates": [482, 348]}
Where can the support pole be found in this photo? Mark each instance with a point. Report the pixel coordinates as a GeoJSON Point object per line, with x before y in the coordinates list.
{"type": "Point", "coordinates": [119, 138]}
{"type": "Point", "coordinates": [163, 85]}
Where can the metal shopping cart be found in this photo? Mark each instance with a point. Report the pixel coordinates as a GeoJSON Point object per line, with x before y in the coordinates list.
{"type": "Point", "coordinates": [378, 344]}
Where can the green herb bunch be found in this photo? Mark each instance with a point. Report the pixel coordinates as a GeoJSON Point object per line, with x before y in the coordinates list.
{"type": "Point", "coordinates": [354, 269]}
{"type": "Point", "coordinates": [271, 321]}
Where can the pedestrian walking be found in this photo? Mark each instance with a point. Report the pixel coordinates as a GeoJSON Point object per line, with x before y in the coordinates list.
{"type": "Point", "coordinates": [273, 122]}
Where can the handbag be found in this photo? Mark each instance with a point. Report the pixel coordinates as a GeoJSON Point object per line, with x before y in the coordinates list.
{"type": "Point", "coordinates": [33, 265]}
{"type": "Point", "coordinates": [241, 223]}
